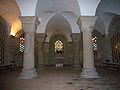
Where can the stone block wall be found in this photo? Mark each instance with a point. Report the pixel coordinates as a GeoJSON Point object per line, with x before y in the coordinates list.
{"type": "Point", "coordinates": [104, 50]}
{"type": "Point", "coordinates": [68, 59]}
{"type": "Point", "coordinates": [12, 52]}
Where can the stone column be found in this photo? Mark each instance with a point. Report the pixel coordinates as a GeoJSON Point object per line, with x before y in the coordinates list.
{"type": "Point", "coordinates": [41, 55]}
{"type": "Point", "coordinates": [29, 24]}
{"type": "Point", "coordinates": [86, 24]}
{"type": "Point", "coordinates": [76, 50]}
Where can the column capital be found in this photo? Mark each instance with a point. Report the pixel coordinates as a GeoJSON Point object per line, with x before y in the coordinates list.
{"type": "Point", "coordinates": [41, 36]}
{"type": "Point", "coordinates": [29, 23]}
{"type": "Point", "coordinates": [86, 23]}
{"type": "Point", "coordinates": [76, 36]}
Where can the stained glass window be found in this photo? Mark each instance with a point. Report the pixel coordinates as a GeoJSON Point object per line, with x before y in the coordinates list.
{"type": "Point", "coordinates": [94, 41]}
{"type": "Point", "coordinates": [22, 44]}
{"type": "Point", "coordinates": [58, 46]}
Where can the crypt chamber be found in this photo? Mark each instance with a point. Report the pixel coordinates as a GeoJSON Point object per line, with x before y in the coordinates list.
{"type": "Point", "coordinates": [59, 35]}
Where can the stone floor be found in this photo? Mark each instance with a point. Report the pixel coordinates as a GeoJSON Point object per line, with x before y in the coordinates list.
{"type": "Point", "coordinates": [66, 79]}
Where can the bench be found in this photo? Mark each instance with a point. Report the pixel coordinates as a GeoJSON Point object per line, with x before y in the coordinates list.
{"type": "Point", "coordinates": [9, 67]}
{"type": "Point", "coordinates": [112, 66]}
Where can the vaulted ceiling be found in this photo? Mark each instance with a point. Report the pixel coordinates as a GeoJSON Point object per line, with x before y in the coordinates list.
{"type": "Point", "coordinates": [104, 9]}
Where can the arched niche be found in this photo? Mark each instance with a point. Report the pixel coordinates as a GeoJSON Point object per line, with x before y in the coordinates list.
{"type": "Point", "coordinates": [52, 53]}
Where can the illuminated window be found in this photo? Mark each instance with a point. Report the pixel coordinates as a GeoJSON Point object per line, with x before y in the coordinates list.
{"type": "Point", "coordinates": [22, 44]}
{"type": "Point", "coordinates": [58, 46]}
{"type": "Point", "coordinates": [94, 41]}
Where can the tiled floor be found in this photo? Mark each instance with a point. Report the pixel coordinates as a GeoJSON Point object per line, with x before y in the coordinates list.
{"type": "Point", "coordinates": [60, 80]}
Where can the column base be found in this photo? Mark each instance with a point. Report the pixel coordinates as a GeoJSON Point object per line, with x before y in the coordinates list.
{"type": "Point", "coordinates": [28, 74]}
{"type": "Point", "coordinates": [76, 67]}
{"type": "Point", "coordinates": [41, 66]}
{"type": "Point", "coordinates": [89, 73]}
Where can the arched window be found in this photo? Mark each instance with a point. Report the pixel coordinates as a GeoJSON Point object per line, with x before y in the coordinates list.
{"type": "Point", "coordinates": [22, 44]}
{"type": "Point", "coordinates": [94, 41]}
{"type": "Point", "coordinates": [58, 46]}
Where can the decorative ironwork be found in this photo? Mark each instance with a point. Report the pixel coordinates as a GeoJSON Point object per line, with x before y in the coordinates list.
{"type": "Point", "coordinates": [115, 44]}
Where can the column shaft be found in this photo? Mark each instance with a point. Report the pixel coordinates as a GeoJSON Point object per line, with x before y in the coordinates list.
{"type": "Point", "coordinates": [76, 50]}
{"type": "Point", "coordinates": [41, 54]}
{"type": "Point", "coordinates": [29, 51]}
{"type": "Point", "coordinates": [88, 61]}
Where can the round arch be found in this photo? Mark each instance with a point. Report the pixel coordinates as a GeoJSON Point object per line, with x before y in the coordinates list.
{"type": "Point", "coordinates": [58, 24]}
{"type": "Point", "coordinates": [114, 25]}
{"type": "Point", "coordinates": [69, 16]}
{"type": "Point", "coordinates": [105, 13]}
{"type": "Point", "coordinates": [11, 14]}
{"type": "Point", "coordinates": [3, 24]}
{"type": "Point", "coordinates": [88, 8]}
{"type": "Point", "coordinates": [57, 6]}
{"type": "Point", "coordinates": [114, 34]}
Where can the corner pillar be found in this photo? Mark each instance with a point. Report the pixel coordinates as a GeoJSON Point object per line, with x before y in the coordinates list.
{"type": "Point", "coordinates": [41, 56]}
{"type": "Point", "coordinates": [107, 48]}
{"type": "Point", "coordinates": [76, 50]}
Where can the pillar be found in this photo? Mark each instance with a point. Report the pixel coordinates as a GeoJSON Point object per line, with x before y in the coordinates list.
{"type": "Point", "coordinates": [76, 50]}
{"type": "Point", "coordinates": [86, 24]}
{"type": "Point", "coordinates": [107, 48]}
{"type": "Point", "coordinates": [41, 55]}
{"type": "Point", "coordinates": [29, 24]}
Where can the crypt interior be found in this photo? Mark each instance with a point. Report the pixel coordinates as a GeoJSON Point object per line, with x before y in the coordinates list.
{"type": "Point", "coordinates": [59, 45]}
